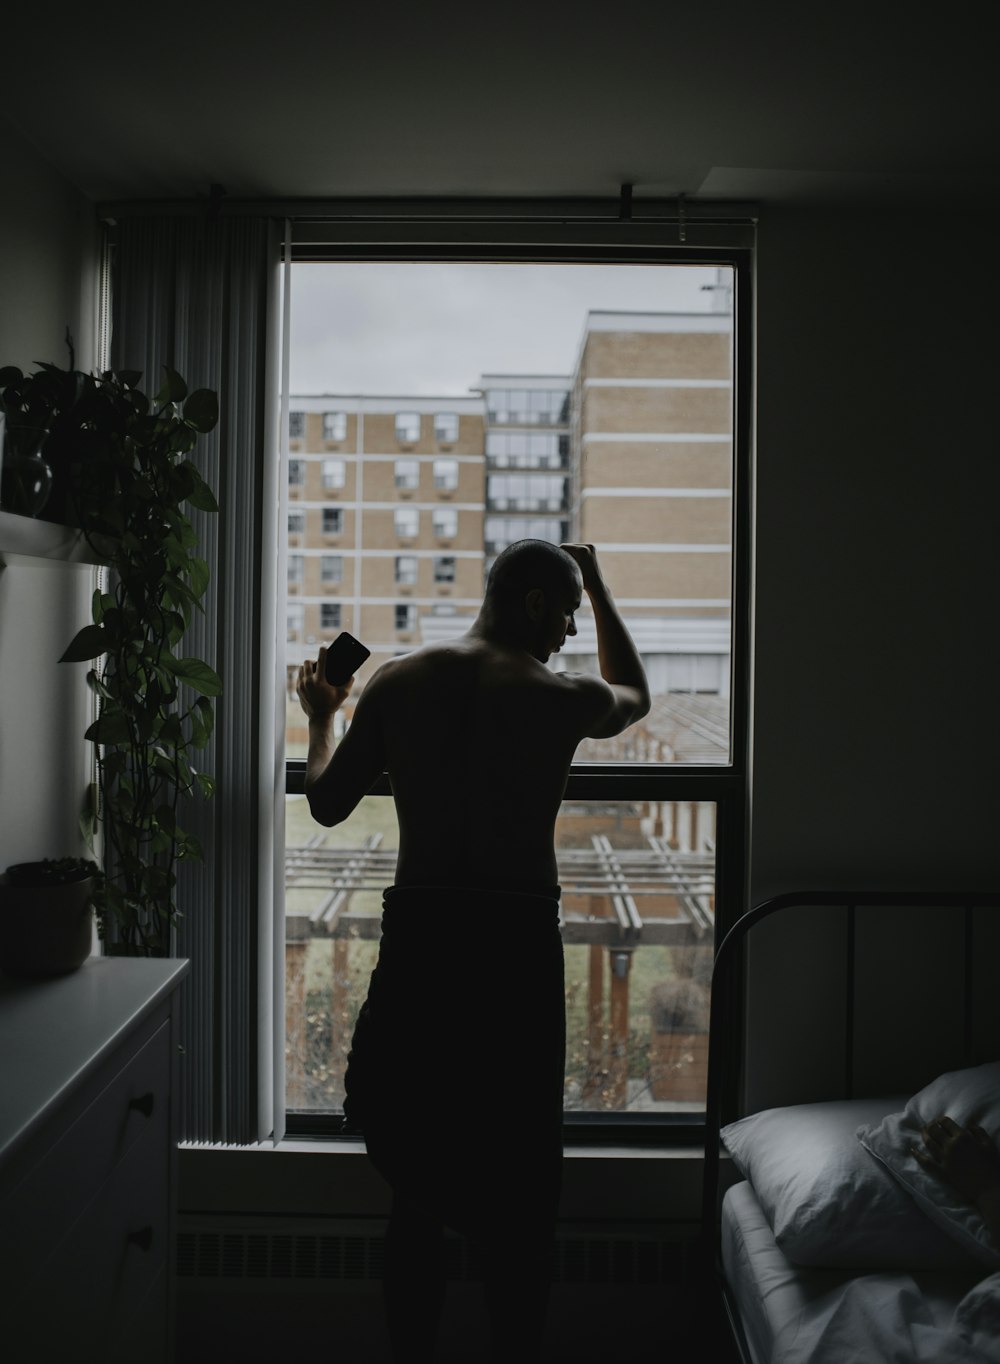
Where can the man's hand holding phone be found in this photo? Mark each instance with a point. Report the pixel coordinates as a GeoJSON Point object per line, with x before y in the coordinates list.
{"type": "Point", "coordinates": [325, 685]}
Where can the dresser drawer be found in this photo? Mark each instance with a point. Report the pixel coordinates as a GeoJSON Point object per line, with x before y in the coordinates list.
{"type": "Point", "coordinates": [43, 1208]}
{"type": "Point", "coordinates": [101, 1272]}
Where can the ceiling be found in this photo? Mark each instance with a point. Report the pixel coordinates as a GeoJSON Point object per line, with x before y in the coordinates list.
{"type": "Point", "coordinates": [769, 102]}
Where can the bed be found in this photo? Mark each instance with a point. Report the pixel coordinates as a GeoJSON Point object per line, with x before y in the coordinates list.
{"type": "Point", "coordinates": [869, 1014]}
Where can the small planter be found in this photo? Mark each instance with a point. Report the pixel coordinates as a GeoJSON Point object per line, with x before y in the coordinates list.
{"type": "Point", "coordinates": [45, 929]}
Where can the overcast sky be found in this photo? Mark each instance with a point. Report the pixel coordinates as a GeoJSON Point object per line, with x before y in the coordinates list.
{"type": "Point", "coordinates": [434, 329]}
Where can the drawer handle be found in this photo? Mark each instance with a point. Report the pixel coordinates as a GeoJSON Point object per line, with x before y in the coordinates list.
{"type": "Point", "coordinates": [144, 1104]}
{"type": "Point", "coordinates": [143, 1238]}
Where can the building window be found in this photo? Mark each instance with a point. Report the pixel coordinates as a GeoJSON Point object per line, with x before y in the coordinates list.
{"type": "Point", "coordinates": [331, 568]}
{"type": "Point", "coordinates": [406, 569]}
{"type": "Point", "coordinates": [296, 568]}
{"type": "Point", "coordinates": [295, 617]}
{"type": "Point", "coordinates": [407, 427]}
{"type": "Point", "coordinates": [445, 522]}
{"type": "Point", "coordinates": [296, 425]}
{"type": "Point", "coordinates": [408, 474]}
{"type": "Point", "coordinates": [444, 568]}
{"type": "Point", "coordinates": [334, 425]}
{"type": "Point", "coordinates": [525, 492]}
{"type": "Point", "coordinates": [296, 521]}
{"type": "Point", "coordinates": [296, 472]}
{"type": "Point", "coordinates": [333, 520]}
{"type": "Point", "coordinates": [446, 427]}
{"type": "Point", "coordinates": [406, 616]}
{"type": "Point", "coordinates": [329, 616]}
{"type": "Point", "coordinates": [407, 522]}
{"type": "Point", "coordinates": [446, 474]}
{"type": "Point", "coordinates": [334, 473]}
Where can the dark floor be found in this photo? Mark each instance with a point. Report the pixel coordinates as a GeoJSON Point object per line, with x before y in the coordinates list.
{"type": "Point", "coordinates": [588, 1324]}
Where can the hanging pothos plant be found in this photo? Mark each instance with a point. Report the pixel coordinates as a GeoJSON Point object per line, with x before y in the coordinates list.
{"type": "Point", "coordinates": [130, 483]}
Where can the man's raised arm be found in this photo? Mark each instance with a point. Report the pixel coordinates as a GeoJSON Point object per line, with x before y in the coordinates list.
{"type": "Point", "coordinates": [338, 775]}
{"type": "Point", "coordinates": [618, 658]}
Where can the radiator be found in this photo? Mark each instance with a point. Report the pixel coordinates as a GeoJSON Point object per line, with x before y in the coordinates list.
{"type": "Point", "coordinates": [220, 1248]}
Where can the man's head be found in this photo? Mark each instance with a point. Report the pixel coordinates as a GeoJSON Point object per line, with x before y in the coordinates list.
{"type": "Point", "coordinates": [532, 593]}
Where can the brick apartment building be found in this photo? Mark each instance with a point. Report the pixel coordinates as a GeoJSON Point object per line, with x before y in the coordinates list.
{"type": "Point", "coordinates": [397, 505]}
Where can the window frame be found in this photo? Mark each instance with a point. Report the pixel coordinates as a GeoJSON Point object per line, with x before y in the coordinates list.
{"type": "Point", "coordinates": [406, 510]}
{"type": "Point", "coordinates": [724, 238]}
{"type": "Point", "coordinates": [334, 419]}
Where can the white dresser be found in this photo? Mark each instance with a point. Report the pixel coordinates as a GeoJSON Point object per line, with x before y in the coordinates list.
{"type": "Point", "coordinates": [88, 1162]}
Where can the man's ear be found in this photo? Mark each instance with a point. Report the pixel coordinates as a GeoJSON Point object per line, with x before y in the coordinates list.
{"type": "Point", "coordinates": [534, 604]}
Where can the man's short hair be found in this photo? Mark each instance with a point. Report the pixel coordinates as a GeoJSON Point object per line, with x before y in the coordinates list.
{"type": "Point", "coordinates": [527, 564]}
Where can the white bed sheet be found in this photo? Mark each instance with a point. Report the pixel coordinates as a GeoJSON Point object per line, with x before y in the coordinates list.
{"type": "Point", "coordinates": [829, 1316]}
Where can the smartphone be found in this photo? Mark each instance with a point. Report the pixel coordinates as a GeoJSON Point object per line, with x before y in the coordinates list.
{"type": "Point", "coordinates": [343, 658]}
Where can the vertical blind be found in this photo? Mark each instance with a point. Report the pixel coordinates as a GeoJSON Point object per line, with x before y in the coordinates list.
{"type": "Point", "coordinates": [202, 296]}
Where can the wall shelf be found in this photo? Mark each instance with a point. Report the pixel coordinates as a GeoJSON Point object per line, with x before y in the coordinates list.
{"type": "Point", "coordinates": [28, 537]}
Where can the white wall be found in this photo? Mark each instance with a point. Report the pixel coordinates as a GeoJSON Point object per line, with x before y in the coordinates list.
{"type": "Point", "coordinates": [875, 707]}
{"type": "Point", "coordinates": [47, 276]}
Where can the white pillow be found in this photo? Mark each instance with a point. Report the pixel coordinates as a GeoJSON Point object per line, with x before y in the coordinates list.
{"type": "Point", "coordinates": [827, 1201]}
{"type": "Point", "coordinates": [968, 1096]}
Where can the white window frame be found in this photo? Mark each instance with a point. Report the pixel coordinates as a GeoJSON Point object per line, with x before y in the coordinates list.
{"type": "Point", "coordinates": [408, 427]}
{"type": "Point", "coordinates": [334, 425]}
{"type": "Point", "coordinates": [403, 516]}
{"type": "Point", "coordinates": [444, 521]}
{"type": "Point", "coordinates": [334, 473]}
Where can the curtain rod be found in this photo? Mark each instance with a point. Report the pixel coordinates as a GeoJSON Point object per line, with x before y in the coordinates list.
{"type": "Point", "coordinates": [624, 210]}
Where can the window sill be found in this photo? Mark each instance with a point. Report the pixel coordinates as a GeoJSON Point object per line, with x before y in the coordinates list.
{"type": "Point", "coordinates": [301, 1177]}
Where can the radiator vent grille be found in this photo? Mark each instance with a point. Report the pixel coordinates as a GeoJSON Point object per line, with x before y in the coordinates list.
{"type": "Point", "coordinates": [270, 1255]}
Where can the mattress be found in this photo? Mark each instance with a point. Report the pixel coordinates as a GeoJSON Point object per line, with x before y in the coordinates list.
{"type": "Point", "coordinates": [792, 1315]}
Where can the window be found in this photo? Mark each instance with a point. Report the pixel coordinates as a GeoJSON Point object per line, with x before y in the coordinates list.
{"type": "Point", "coordinates": [296, 521]}
{"type": "Point", "coordinates": [446, 427]}
{"type": "Point", "coordinates": [445, 521]}
{"type": "Point", "coordinates": [650, 830]}
{"type": "Point", "coordinates": [334, 473]}
{"type": "Point", "coordinates": [329, 616]}
{"type": "Point", "coordinates": [525, 492]}
{"type": "Point", "coordinates": [296, 567]}
{"type": "Point", "coordinates": [333, 520]}
{"type": "Point", "coordinates": [407, 427]}
{"type": "Point", "coordinates": [295, 617]}
{"type": "Point", "coordinates": [408, 474]}
{"type": "Point", "coordinates": [334, 425]}
{"type": "Point", "coordinates": [446, 474]}
{"type": "Point", "coordinates": [331, 568]}
{"type": "Point", "coordinates": [296, 472]}
{"type": "Point", "coordinates": [407, 522]}
{"type": "Point", "coordinates": [406, 569]}
{"type": "Point", "coordinates": [296, 425]}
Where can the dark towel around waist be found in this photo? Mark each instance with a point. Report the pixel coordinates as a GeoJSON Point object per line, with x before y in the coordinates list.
{"type": "Point", "coordinates": [460, 1044]}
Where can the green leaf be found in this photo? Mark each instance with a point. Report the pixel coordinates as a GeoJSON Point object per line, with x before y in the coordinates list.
{"type": "Point", "coordinates": [207, 784]}
{"type": "Point", "coordinates": [200, 575]}
{"type": "Point", "coordinates": [110, 728]}
{"type": "Point", "coordinates": [202, 409]}
{"type": "Point", "coordinates": [174, 389]}
{"type": "Point", "coordinates": [196, 675]}
{"type": "Point", "coordinates": [201, 495]}
{"type": "Point", "coordinates": [88, 643]}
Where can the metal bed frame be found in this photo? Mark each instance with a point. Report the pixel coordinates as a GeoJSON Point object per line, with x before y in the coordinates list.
{"type": "Point", "coordinates": [725, 1060]}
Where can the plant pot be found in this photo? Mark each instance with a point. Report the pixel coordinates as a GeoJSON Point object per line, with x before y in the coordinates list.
{"type": "Point", "coordinates": [25, 477]}
{"type": "Point", "coordinates": [45, 931]}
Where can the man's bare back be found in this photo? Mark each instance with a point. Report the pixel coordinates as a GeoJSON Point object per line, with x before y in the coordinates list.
{"type": "Point", "coordinates": [477, 737]}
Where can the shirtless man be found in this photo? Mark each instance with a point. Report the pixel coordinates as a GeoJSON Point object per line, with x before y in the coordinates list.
{"type": "Point", "coordinates": [477, 737]}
